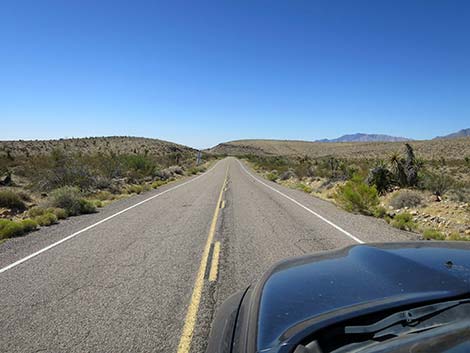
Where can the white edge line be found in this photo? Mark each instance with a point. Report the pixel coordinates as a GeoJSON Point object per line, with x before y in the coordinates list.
{"type": "Point", "coordinates": [16, 263]}
{"type": "Point", "coordinates": [304, 207]}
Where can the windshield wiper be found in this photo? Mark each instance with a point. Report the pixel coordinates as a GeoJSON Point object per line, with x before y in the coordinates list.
{"type": "Point", "coordinates": [408, 317]}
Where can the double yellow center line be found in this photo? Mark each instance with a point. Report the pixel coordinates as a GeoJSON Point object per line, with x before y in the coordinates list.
{"type": "Point", "coordinates": [191, 316]}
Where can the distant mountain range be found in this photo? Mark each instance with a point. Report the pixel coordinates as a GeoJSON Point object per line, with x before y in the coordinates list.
{"type": "Point", "coordinates": [458, 134]}
{"type": "Point", "coordinates": [360, 137]}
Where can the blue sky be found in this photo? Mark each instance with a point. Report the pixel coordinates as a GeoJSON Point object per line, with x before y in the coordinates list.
{"type": "Point", "coordinates": [199, 72]}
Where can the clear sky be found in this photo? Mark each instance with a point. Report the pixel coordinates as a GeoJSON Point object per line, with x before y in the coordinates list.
{"type": "Point", "coordinates": [200, 73]}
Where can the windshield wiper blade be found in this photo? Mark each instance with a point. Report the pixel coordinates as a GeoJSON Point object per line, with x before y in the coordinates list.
{"type": "Point", "coordinates": [407, 316]}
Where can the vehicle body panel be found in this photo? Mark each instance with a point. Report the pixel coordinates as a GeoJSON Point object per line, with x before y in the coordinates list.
{"type": "Point", "coordinates": [301, 295]}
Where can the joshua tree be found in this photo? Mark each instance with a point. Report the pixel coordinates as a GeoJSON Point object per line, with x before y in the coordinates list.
{"type": "Point", "coordinates": [411, 167]}
{"type": "Point", "coordinates": [381, 177]}
{"type": "Point", "coordinates": [397, 168]}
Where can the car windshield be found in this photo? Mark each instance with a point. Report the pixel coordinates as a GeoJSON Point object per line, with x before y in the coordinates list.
{"type": "Point", "coordinates": [423, 325]}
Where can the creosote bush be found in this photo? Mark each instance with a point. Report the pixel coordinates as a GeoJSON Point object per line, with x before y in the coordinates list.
{"type": "Point", "coordinates": [357, 196]}
{"type": "Point", "coordinates": [46, 219]}
{"type": "Point", "coordinates": [406, 198]}
{"type": "Point", "coordinates": [272, 176]}
{"type": "Point", "coordinates": [11, 200]}
{"type": "Point", "coordinates": [10, 229]}
{"type": "Point", "coordinates": [433, 234]}
{"type": "Point", "coordinates": [71, 200]}
{"type": "Point", "coordinates": [29, 225]}
{"type": "Point", "coordinates": [403, 221]}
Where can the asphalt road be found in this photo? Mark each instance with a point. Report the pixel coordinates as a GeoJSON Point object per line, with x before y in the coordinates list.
{"type": "Point", "coordinates": [145, 279]}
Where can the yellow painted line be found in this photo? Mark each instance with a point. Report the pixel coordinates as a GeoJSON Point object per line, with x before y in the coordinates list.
{"type": "Point", "coordinates": [193, 308]}
{"type": "Point", "coordinates": [215, 262]}
{"type": "Point", "coordinates": [223, 204]}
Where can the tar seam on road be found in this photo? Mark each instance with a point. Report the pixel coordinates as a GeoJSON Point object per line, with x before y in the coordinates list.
{"type": "Point", "coordinates": [356, 239]}
{"type": "Point", "coordinates": [215, 262]}
{"type": "Point", "coordinates": [193, 308]}
{"type": "Point", "coordinates": [16, 263]}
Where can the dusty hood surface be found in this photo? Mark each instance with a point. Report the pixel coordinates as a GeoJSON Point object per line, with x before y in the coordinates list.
{"type": "Point", "coordinates": [313, 288]}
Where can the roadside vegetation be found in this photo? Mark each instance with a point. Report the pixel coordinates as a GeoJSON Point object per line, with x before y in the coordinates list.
{"type": "Point", "coordinates": [427, 196]}
{"type": "Point", "coordinates": [43, 182]}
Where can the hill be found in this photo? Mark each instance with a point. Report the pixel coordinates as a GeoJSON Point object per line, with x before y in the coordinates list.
{"type": "Point", "coordinates": [361, 137]}
{"type": "Point", "coordinates": [428, 149]}
{"type": "Point", "coordinates": [458, 134]}
{"type": "Point", "coordinates": [92, 145]}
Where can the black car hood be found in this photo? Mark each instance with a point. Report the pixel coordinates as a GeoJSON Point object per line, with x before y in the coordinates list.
{"type": "Point", "coordinates": [303, 291]}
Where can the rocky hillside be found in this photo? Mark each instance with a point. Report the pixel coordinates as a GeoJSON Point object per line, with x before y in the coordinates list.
{"type": "Point", "coordinates": [449, 149]}
{"type": "Point", "coordinates": [91, 145]}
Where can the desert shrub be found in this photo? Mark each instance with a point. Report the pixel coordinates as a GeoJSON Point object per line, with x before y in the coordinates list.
{"type": "Point", "coordinates": [134, 189]}
{"type": "Point", "coordinates": [10, 229]}
{"type": "Point", "coordinates": [98, 203]}
{"type": "Point", "coordinates": [357, 196]}
{"type": "Point", "coordinates": [46, 219]}
{"type": "Point", "coordinates": [71, 200]}
{"type": "Point", "coordinates": [272, 176]}
{"type": "Point", "coordinates": [23, 195]}
{"type": "Point", "coordinates": [433, 234]}
{"type": "Point", "coordinates": [287, 175]}
{"type": "Point", "coordinates": [59, 169]}
{"type": "Point", "coordinates": [406, 198]}
{"type": "Point", "coordinates": [36, 211]}
{"type": "Point", "coordinates": [141, 164]}
{"type": "Point", "coordinates": [461, 194]}
{"type": "Point", "coordinates": [379, 212]}
{"type": "Point", "coordinates": [195, 170]}
{"type": "Point", "coordinates": [60, 213]}
{"type": "Point", "coordinates": [176, 169]}
{"type": "Point", "coordinates": [438, 183]}
{"type": "Point", "coordinates": [404, 221]}
{"type": "Point", "coordinates": [87, 206]}
{"type": "Point", "coordinates": [157, 183]}
{"type": "Point", "coordinates": [29, 225]}
{"type": "Point", "coordinates": [11, 200]}
{"type": "Point", "coordinates": [455, 237]}
{"type": "Point", "coordinates": [103, 195]}
{"type": "Point", "coordinates": [305, 188]}
{"type": "Point", "coordinates": [68, 198]}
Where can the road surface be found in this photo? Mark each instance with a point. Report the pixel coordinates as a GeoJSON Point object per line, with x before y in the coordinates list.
{"type": "Point", "coordinates": [145, 274]}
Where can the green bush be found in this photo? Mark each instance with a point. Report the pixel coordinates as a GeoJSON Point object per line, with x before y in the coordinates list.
{"type": "Point", "coordinates": [156, 184]}
{"type": "Point", "coordinates": [10, 229]}
{"type": "Point", "coordinates": [69, 198]}
{"type": "Point", "coordinates": [29, 225]}
{"type": "Point", "coordinates": [36, 211]}
{"type": "Point", "coordinates": [433, 234]}
{"type": "Point", "coordinates": [272, 176]}
{"type": "Point", "coordinates": [379, 212]}
{"type": "Point", "coordinates": [87, 206]}
{"type": "Point", "coordinates": [406, 198]}
{"type": "Point", "coordinates": [134, 189]}
{"type": "Point", "coordinates": [195, 170]}
{"type": "Point", "coordinates": [46, 219]}
{"type": "Point", "coordinates": [437, 183]}
{"type": "Point", "coordinates": [304, 187]}
{"type": "Point", "coordinates": [456, 237]}
{"type": "Point", "coordinates": [357, 196]}
{"type": "Point", "coordinates": [103, 195]}
{"type": "Point", "coordinates": [97, 203]}
{"type": "Point", "coordinates": [404, 221]}
{"type": "Point", "coordinates": [60, 213]}
{"type": "Point", "coordinates": [9, 199]}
